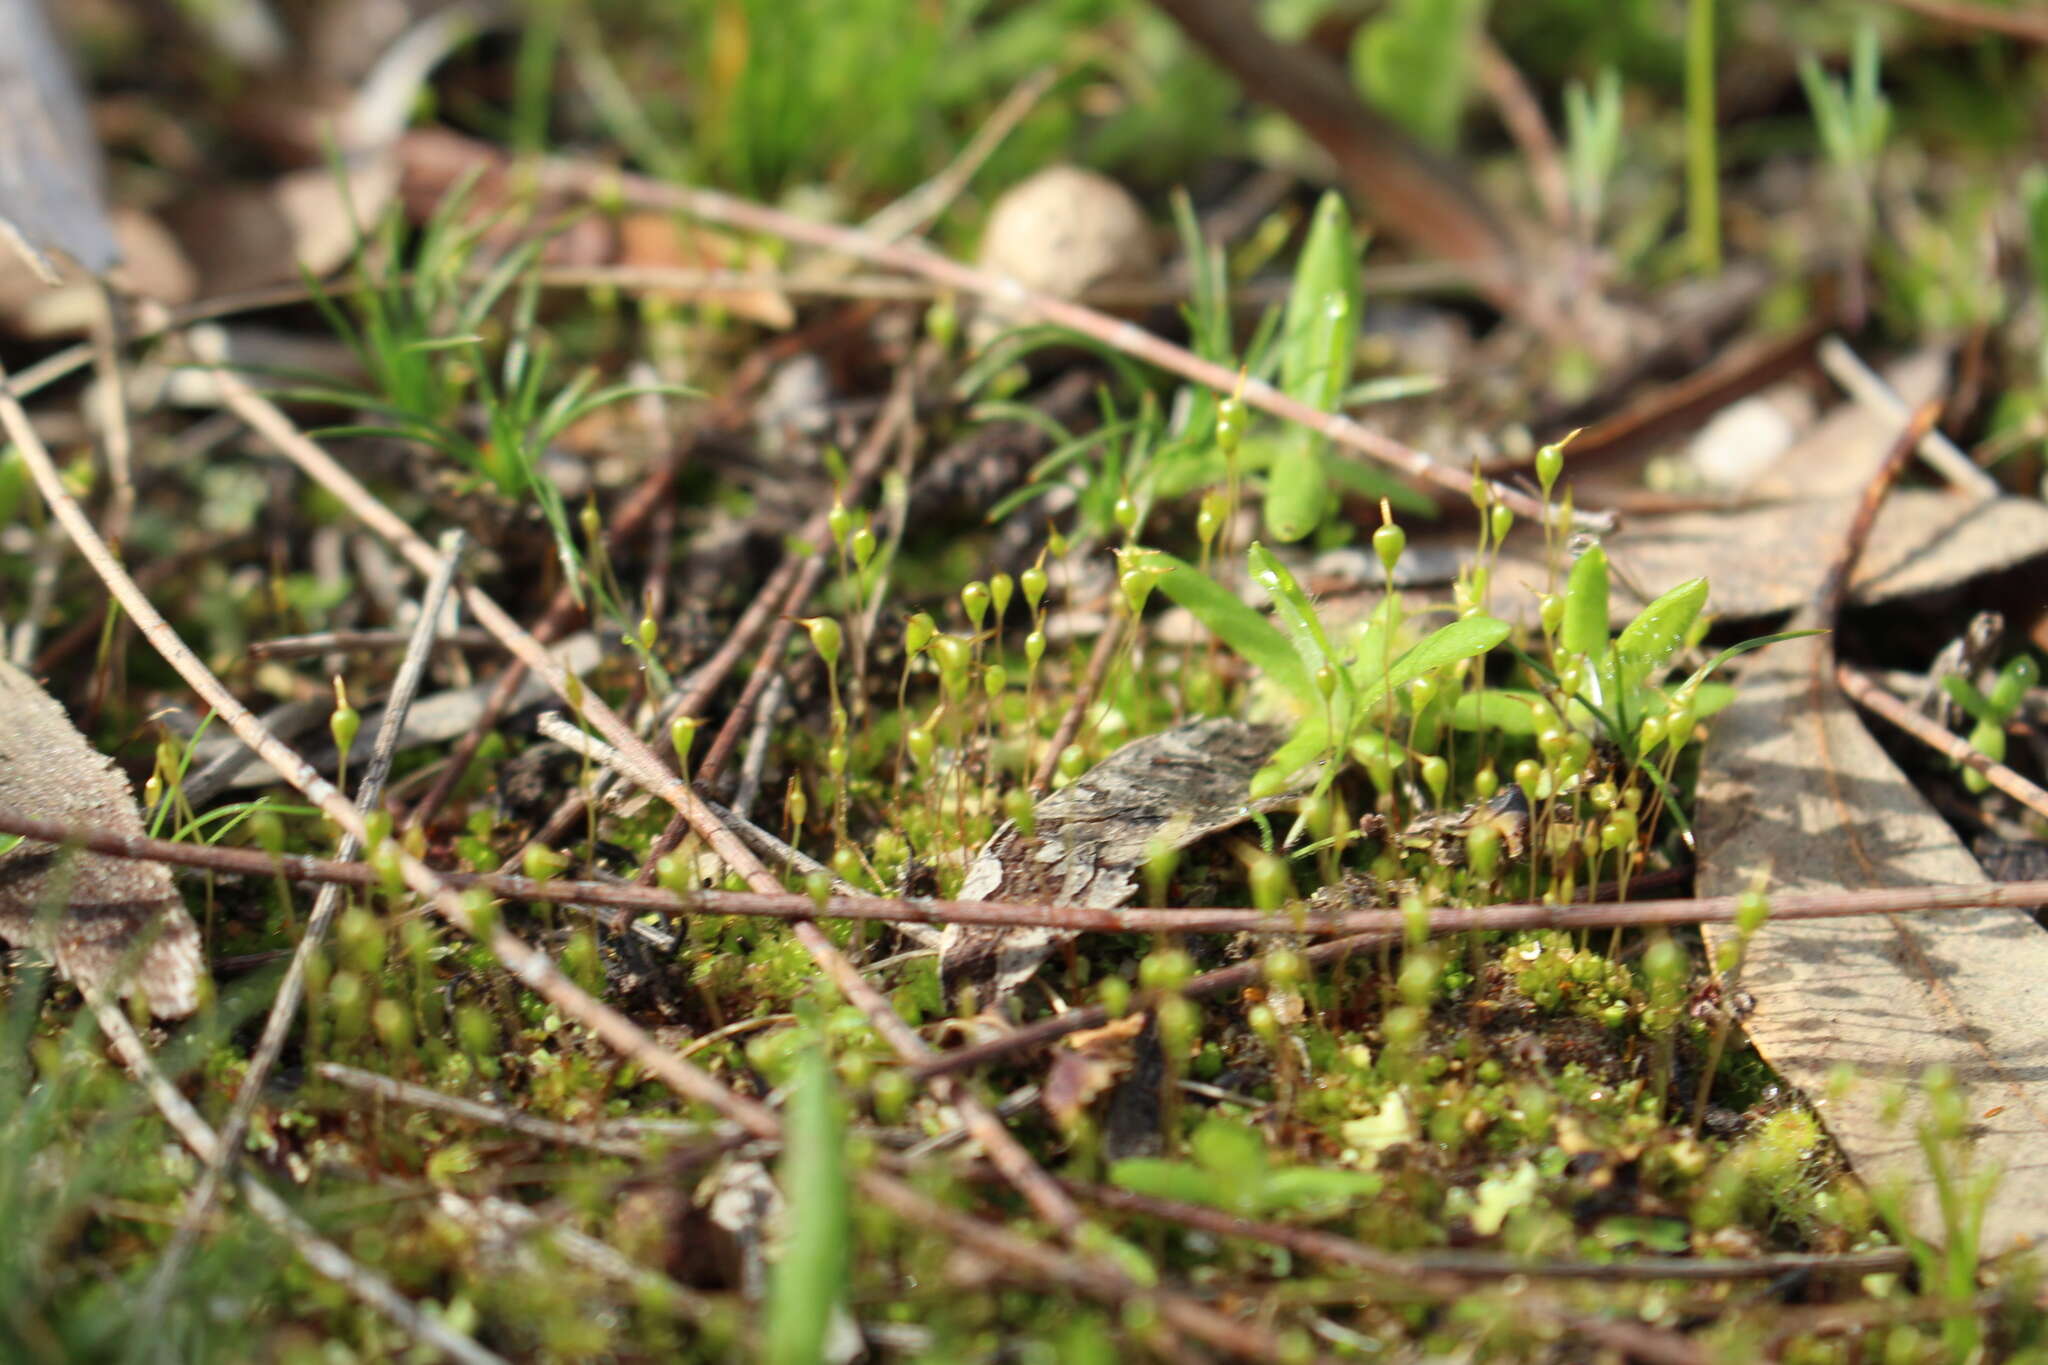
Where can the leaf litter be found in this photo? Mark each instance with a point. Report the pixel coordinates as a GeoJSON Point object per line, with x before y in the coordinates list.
{"type": "Point", "coordinates": [92, 913]}
{"type": "Point", "coordinates": [1795, 794]}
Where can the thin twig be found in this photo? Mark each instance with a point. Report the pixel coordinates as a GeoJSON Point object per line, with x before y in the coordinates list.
{"type": "Point", "coordinates": [358, 642]}
{"type": "Point", "coordinates": [1410, 1267]}
{"type": "Point", "coordinates": [1106, 647]}
{"type": "Point", "coordinates": [585, 180]}
{"type": "Point", "coordinates": [556, 728]}
{"type": "Point", "coordinates": [292, 990]}
{"type": "Point", "coordinates": [1866, 693]}
{"type": "Point", "coordinates": [748, 789]}
{"type": "Point", "coordinates": [1833, 593]}
{"type": "Point", "coordinates": [1868, 387]}
{"type": "Point", "coordinates": [497, 1116]}
{"type": "Point", "coordinates": [1372, 924]}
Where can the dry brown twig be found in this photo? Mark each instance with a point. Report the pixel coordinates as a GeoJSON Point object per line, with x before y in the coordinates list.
{"type": "Point", "coordinates": [1370, 924]}
{"type": "Point", "coordinates": [586, 181]}
{"type": "Point", "coordinates": [1866, 693]}
{"type": "Point", "coordinates": [1107, 646]}
{"type": "Point", "coordinates": [493, 1115]}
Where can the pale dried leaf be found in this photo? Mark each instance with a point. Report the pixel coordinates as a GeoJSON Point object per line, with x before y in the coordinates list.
{"type": "Point", "coordinates": [1765, 560]}
{"type": "Point", "coordinates": [1794, 785]}
{"type": "Point", "coordinates": [50, 198]}
{"type": "Point", "coordinates": [112, 905]}
{"type": "Point", "coordinates": [1091, 839]}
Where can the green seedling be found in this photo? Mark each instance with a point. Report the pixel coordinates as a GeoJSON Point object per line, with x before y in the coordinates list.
{"type": "Point", "coordinates": [1854, 120]}
{"type": "Point", "coordinates": [1592, 120]}
{"type": "Point", "coordinates": [1316, 344]}
{"type": "Point", "coordinates": [1994, 713]}
{"type": "Point", "coordinates": [1229, 1168]}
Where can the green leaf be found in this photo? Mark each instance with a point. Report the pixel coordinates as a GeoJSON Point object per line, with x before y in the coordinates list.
{"type": "Point", "coordinates": [1326, 273]}
{"type": "Point", "coordinates": [1646, 642]}
{"type": "Point", "coordinates": [1297, 492]}
{"type": "Point", "coordinates": [1414, 61]}
{"type": "Point", "coordinates": [1316, 349]}
{"type": "Point", "coordinates": [1584, 630]}
{"type": "Point", "coordinates": [1163, 1179]}
{"type": "Point", "coordinates": [1314, 1189]}
{"type": "Point", "coordinates": [1971, 700]}
{"type": "Point", "coordinates": [1461, 639]}
{"type": "Point", "coordinates": [1248, 633]}
{"type": "Point", "coordinates": [807, 1284]}
{"type": "Point", "coordinates": [1292, 606]}
{"type": "Point", "coordinates": [1309, 742]}
{"type": "Point", "coordinates": [1501, 710]}
{"type": "Point", "coordinates": [1233, 1151]}
{"type": "Point", "coordinates": [1711, 699]}
{"type": "Point", "coordinates": [1708, 669]}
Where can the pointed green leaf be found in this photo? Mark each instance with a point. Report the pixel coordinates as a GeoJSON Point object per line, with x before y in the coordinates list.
{"type": "Point", "coordinates": [1248, 633]}
{"type": "Point", "coordinates": [1461, 639]}
{"type": "Point", "coordinates": [1648, 641]}
{"type": "Point", "coordinates": [809, 1281]}
{"type": "Point", "coordinates": [1297, 492]}
{"type": "Point", "coordinates": [1708, 669]}
{"type": "Point", "coordinates": [1584, 630]}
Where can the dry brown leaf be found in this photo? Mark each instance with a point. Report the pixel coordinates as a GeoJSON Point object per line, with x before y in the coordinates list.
{"type": "Point", "coordinates": [1089, 1063]}
{"type": "Point", "coordinates": [113, 905]}
{"type": "Point", "coordinates": [1765, 560]}
{"type": "Point", "coordinates": [1091, 839]}
{"type": "Point", "coordinates": [246, 236]}
{"type": "Point", "coordinates": [660, 241]}
{"type": "Point", "coordinates": [1794, 785]}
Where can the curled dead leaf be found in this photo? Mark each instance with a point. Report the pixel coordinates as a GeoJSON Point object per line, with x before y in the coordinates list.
{"type": "Point", "coordinates": [1088, 1063]}
{"type": "Point", "coordinates": [92, 913]}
